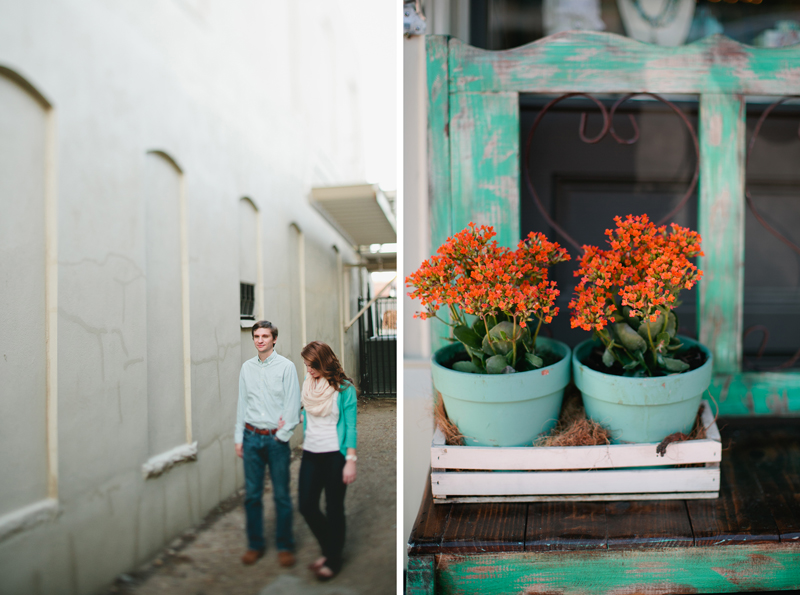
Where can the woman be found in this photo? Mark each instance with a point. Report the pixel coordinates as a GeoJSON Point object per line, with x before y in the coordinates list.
{"type": "Point", "coordinates": [329, 452]}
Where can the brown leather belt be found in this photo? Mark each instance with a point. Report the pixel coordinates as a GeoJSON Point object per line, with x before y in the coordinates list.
{"type": "Point", "coordinates": [260, 431]}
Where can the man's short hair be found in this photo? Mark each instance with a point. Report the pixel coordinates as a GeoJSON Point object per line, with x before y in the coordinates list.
{"type": "Point", "coordinates": [265, 324]}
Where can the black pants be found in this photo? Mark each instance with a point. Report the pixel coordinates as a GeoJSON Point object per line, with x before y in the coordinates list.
{"type": "Point", "coordinates": [323, 471]}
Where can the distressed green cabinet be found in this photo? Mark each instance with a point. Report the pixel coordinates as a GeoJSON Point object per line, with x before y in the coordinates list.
{"type": "Point", "coordinates": [474, 157]}
{"type": "Point", "coordinates": [749, 538]}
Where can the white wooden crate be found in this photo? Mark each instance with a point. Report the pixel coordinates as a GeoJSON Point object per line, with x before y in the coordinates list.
{"type": "Point", "coordinates": [611, 472]}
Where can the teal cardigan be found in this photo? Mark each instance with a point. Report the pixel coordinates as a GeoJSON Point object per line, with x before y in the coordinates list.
{"type": "Point", "coordinates": [346, 426]}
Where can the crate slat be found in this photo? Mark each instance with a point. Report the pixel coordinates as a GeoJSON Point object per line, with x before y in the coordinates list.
{"type": "Point", "coordinates": [611, 472]}
{"type": "Point", "coordinates": [577, 498]}
{"type": "Point", "coordinates": [627, 481]}
{"type": "Point", "coordinates": [574, 457]}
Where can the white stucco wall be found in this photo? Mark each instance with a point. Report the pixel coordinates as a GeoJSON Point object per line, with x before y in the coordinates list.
{"type": "Point", "coordinates": [417, 386]}
{"type": "Point", "coordinates": [233, 94]}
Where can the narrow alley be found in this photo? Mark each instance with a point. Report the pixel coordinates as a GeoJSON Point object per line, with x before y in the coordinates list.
{"type": "Point", "coordinates": [206, 559]}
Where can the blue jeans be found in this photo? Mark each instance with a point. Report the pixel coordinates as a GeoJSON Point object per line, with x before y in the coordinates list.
{"type": "Point", "coordinates": [258, 452]}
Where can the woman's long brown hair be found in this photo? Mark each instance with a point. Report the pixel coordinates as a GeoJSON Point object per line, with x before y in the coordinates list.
{"type": "Point", "coordinates": [321, 357]}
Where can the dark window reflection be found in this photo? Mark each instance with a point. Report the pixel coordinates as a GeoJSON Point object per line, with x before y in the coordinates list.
{"type": "Point", "coordinates": [504, 24]}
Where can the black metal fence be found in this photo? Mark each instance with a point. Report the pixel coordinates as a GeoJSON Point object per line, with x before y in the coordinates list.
{"type": "Point", "coordinates": [378, 347]}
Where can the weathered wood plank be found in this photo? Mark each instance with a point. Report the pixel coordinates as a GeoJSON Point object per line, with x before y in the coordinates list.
{"type": "Point", "coordinates": [647, 524]}
{"type": "Point", "coordinates": [485, 528]}
{"type": "Point", "coordinates": [652, 571]}
{"type": "Point", "coordinates": [757, 393]}
{"type": "Point", "coordinates": [484, 151]}
{"type": "Point", "coordinates": [740, 515]}
{"type": "Point", "coordinates": [439, 198]}
{"type": "Point", "coordinates": [566, 526]}
{"type": "Point", "coordinates": [420, 576]}
{"type": "Point", "coordinates": [429, 526]}
{"type": "Point", "coordinates": [784, 499]}
{"type": "Point", "coordinates": [721, 224]}
{"type": "Point", "coordinates": [772, 454]}
{"type": "Point", "coordinates": [593, 62]}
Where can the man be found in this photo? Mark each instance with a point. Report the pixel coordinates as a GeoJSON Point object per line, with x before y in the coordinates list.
{"type": "Point", "coordinates": [268, 411]}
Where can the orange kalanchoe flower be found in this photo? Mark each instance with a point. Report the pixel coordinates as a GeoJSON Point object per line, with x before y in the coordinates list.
{"type": "Point", "coordinates": [472, 274]}
{"type": "Point", "coordinates": [646, 268]}
{"type": "Point", "coordinates": [627, 293]}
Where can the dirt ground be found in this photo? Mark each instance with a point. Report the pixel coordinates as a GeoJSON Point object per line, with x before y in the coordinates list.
{"type": "Point", "coordinates": [206, 559]}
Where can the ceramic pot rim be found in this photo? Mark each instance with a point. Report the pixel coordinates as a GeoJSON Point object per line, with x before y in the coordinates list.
{"type": "Point", "coordinates": [690, 384]}
{"type": "Point", "coordinates": [503, 387]}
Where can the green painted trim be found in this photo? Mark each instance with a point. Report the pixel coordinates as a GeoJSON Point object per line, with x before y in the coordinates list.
{"type": "Point", "coordinates": [484, 150]}
{"type": "Point", "coordinates": [593, 62]}
{"type": "Point", "coordinates": [721, 224]}
{"type": "Point", "coordinates": [420, 575]}
{"type": "Point", "coordinates": [720, 569]}
{"type": "Point", "coordinates": [438, 139]}
{"type": "Point", "coordinates": [757, 393]}
{"type": "Point", "coordinates": [439, 198]}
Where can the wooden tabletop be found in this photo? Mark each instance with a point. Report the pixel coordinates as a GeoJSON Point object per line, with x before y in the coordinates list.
{"type": "Point", "coordinates": [759, 505]}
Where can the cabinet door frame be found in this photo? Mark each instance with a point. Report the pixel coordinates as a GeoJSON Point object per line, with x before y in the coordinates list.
{"type": "Point", "coordinates": [473, 158]}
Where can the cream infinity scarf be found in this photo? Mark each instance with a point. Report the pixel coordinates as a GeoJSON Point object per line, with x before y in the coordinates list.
{"type": "Point", "coordinates": [318, 396]}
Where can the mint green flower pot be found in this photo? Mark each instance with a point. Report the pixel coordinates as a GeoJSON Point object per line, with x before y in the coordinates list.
{"type": "Point", "coordinates": [642, 409]}
{"type": "Point", "coordinates": [503, 409]}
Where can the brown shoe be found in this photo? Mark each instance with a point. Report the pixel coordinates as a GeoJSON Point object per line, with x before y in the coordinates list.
{"type": "Point", "coordinates": [252, 556]}
{"type": "Point", "coordinates": [286, 559]}
{"type": "Point", "coordinates": [323, 573]}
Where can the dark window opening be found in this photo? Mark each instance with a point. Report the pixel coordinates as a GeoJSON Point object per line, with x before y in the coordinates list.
{"type": "Point", "coordinates": [247, 301]}
{"type": "Point", "coordinates": [505, 24]}
{"type": "Point", "coordinates": [583, 186]}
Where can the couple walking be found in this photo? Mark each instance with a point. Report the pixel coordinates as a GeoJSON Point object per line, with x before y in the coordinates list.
{"type": "Point", "coordinates": [267, 413]}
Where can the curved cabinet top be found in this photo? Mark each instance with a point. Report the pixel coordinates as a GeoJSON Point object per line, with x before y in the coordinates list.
{"type": "Point", "coordinates": [591, 62]}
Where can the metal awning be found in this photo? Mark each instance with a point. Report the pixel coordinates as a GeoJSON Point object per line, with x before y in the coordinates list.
{"type": "Point", "coordinates": [361, 213]}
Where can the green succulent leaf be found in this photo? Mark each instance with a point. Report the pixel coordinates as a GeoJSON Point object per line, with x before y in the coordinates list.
{"type": "Point", "coordinates": [467, 367]}
{"type": "Point", "coordinates": [496, 364]}
{"type": "Point", "coordinates": [534, 360]}
{"type": "Point", "coordinates": [674, 344]}
{"type": "Point", "coordinates": [662, 342]}
{"type": "Point", "coordinates": [633, 322]}
{"type": "Point", "coordinates": [672, 324]}
{"type": "Point", "coordinates": [523, 365]}
{"type": "Point", "coordinates": [628, 363]}
{"type": "Point", "coordinates": [476, 353]}
{"type": "Point", "coordinates": [630, 339]}
{"type": "Point", "coordinates": [496, 347]}
{"type": "Point", "coordinates": [527, 339]}
{"type": "Point", "coordinates": [498, 340]}
{"type": "Point", "coordinates": [467, 336]}
{"type": "Point", "coordinates": [478, 358]}
{"type": "Point", "coordinates": [653, 327]}
{"type": "Point", "coordinates": [675, 365]}
{"type": "Point", "coordinates": [608, 358]}
{"type": "Point", "coordinates": [479, 327]}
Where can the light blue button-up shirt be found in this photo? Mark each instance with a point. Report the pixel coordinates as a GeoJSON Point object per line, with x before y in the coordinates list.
{"type": "Point", "coordinates": [268, 391]}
